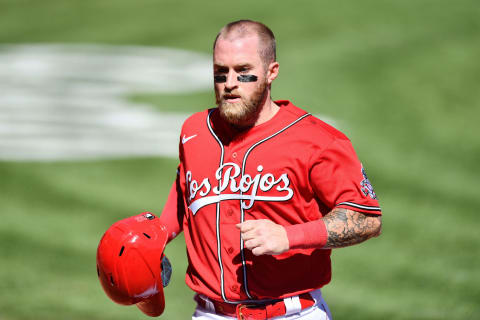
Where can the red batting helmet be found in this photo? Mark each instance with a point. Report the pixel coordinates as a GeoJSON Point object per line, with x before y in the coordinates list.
{"type": "Point", "coordinates": [131, 265]}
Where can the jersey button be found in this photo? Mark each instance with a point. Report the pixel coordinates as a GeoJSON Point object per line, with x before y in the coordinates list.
{"type": "Point", "coordinates": [229, 212]}
{"type": "Point", "coordinates": [234, 155]}
{"type": "Point", "coordinates": [234, 288]}
{"type": "Point", "coordinates": [230, 250]}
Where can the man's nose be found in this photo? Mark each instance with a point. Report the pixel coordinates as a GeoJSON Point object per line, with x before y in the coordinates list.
{"type": "Point", "coordinates": [232, 81]}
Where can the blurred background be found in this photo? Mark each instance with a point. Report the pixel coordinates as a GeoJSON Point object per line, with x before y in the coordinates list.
{"type": "Point", "coordinates": [93, 93]}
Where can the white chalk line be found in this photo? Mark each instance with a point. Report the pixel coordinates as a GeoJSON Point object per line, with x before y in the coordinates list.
{"type": "Point", "coordinates": [69, 102]}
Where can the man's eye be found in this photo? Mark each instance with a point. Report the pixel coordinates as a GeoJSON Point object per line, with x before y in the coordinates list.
{"type": "Point", "coordinates": [221, 70]}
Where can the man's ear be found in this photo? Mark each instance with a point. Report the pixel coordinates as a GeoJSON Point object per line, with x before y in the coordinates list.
{"type": "Point", "coordinates": [272, 72]}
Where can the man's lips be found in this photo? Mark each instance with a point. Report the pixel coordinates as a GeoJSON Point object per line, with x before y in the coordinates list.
{"type": "Point", "coordinates": [231, 97]}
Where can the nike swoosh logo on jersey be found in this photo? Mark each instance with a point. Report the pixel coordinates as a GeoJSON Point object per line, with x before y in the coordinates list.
{"type": "Point", "coordinates": [185, 138]}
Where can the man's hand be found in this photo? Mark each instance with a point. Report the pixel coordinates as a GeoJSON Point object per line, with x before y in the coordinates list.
{"type": "Point", "coordinates": [264, 237]}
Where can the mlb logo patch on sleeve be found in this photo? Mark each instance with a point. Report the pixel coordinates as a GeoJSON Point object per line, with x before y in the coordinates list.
{"type": "Point", "coordinates": [367, 188]}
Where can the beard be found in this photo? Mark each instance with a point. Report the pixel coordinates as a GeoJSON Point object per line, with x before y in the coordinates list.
{"type": "Point", "coordinates": [245, 112]}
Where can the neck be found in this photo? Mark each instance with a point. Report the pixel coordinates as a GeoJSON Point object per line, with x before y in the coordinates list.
{"type": "Point", "coordinates": [267, 111]}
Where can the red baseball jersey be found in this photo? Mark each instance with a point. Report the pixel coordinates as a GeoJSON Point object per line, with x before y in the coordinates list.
{"type": "Point", "coordinates": [291, 169]}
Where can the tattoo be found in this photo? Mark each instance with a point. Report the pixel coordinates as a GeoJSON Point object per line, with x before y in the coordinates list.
{"type": "Point", "coordinates": [347, 227]}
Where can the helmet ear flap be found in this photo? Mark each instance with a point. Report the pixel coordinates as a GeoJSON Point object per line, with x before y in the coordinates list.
{"type": "Point", "coordinates": [131, 266]}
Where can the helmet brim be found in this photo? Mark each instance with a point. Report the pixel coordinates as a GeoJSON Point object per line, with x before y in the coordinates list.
{"type": "Point", "coordinates": [154, 305]}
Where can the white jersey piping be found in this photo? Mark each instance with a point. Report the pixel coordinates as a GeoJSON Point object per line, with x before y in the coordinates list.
{"type": "Point", "coordinates": [219, 246]}
{"type": "Point", "coordinates": [242, 219]}
{"type": "Point", "coordinates": [222, 285]}
{"type": "Point", "coordinates": [359, 206]}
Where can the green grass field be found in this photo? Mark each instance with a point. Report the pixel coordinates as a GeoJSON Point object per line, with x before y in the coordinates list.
{"type": "Point", "coordinates": [400, 78]}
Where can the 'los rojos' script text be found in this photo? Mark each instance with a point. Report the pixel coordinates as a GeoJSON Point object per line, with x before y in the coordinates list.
{"type": "Point", "coordinates": [232, 185]}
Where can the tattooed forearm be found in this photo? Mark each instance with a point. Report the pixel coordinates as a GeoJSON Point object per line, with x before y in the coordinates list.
{"type": "Point", "coordinates": [348, 227]}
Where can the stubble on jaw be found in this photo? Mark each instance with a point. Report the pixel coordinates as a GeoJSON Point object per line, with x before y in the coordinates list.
{"type": "Point", "coordinates": [244, 113]}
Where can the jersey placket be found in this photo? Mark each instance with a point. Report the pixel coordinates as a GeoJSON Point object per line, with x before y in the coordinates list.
{"type": "Point", "coordinates": [243, 205]}
{"type": "Point", "coordinates": [230, 215]}
{"type": "Point", "coordinates": [217, 223]}
{"type": "Point", "coordinates": [230, 153]}
{"type": "Point", "coordinates": [224, 208]}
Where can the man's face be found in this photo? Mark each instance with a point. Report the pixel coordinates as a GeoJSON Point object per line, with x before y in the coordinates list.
{"type": "Point", "coordinates": [239, 100]}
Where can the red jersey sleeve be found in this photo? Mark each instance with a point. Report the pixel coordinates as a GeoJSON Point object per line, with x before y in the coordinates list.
{"type": "Point", "coordinates": [339, 179]}
{"type": "Point", "coordinates": [172, 213]}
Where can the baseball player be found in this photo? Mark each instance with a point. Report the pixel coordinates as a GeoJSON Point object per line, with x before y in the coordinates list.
{"type": "Point", "coordinates": [264, 191]}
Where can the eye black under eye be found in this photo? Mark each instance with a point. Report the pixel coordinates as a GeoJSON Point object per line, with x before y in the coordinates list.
{"type": "Point", "coordinates": [241, 78]}
{"type": "Point", "coordinates": [247, 78]}
{"type": "Point", "coordinates": [220, 79]}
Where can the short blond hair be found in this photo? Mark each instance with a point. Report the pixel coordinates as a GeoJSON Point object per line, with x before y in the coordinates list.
{"type": "Point", "coordinates": [243, 28]}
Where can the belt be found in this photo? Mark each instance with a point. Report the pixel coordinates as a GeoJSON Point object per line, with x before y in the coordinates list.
{"type": "Point", "coordinates": [251, 311]}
